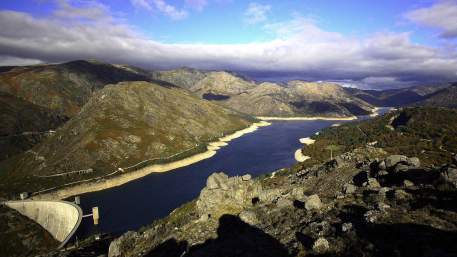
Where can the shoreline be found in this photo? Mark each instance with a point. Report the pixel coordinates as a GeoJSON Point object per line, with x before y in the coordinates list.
{"type": "Point", "coordinates": [123, 178]}
{"type": "Point", "coordinates": [268, 118]}
{"type": "Point", "coordinates": [374, 112]}
{"type": "Point", "coordinates": [299, 156]}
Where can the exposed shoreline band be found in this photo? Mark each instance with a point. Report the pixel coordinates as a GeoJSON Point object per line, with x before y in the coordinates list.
{"type": "Point", "coordinates": [124, 178]}
{"type": "Point", "coordinates": [266, 118]}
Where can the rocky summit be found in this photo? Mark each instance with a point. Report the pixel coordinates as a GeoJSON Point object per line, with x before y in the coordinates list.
{"type": "Point", "coordinates": [364, 206]}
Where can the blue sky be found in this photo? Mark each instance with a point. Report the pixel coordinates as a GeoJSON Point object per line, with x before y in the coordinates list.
{"type": "Point", "coordinates": [385, 43]}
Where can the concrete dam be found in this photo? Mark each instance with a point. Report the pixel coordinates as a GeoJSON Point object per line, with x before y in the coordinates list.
{"type": "Point", "coordinates": [59, 218]}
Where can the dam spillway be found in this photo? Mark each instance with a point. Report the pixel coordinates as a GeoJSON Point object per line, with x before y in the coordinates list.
{"type": "Point", "coordinates": [59, 218]}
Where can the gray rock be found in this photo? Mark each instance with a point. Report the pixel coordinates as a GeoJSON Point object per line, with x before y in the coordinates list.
{"type": "Point", "coordinates": [345, 227]}
{"type": "Point", "coordinates": [284, 203]}
{"type": "Point", "coordinates": [382, 165]}
{"type": "Point", "coordinates": [408, 183]}
{"type": "Point", "coordinates": [321, 246]}
{"type": "Point", "coordinates": [393, 160]}
{"type": "Point", "coordinates": [119, 246]}
{"type": "Point", "coordinates": [401, 195]}
{"type": "Point", "coordinates": [371, 216]}
{"type": "Point", "coordinates": [246, 177]}
{"type": "Point", "coordinates": [298, 193]}
{"type": "Point", "coordinates": [373, 183]}
{"type": "Point", "coordinates": [216, 180]}
{"type": "Point", "coordinates": [401, 167]}
{"type": "Point", "coordinates": [450, 176]}
{"type": "Point", "coordinates": [349, 188]}
{"type": "Point", "coordinates": [414, 162]}
{"type": "Point", "coordinates": [313, 202]}
{"type": "Point", "coordinates": [249, 217]}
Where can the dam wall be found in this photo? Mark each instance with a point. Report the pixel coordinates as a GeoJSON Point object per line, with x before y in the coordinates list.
{"type": "Point", "coordinates": [59, 218]}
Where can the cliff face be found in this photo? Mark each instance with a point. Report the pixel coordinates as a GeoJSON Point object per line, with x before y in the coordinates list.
{"type": "Point", "coordinates": [298, 98]}
{"type": "Point", "coordinates": [122, 125]}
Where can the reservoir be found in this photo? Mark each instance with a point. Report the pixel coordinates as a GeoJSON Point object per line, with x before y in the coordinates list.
{"type": "Point", "coordinates": [140, 202]}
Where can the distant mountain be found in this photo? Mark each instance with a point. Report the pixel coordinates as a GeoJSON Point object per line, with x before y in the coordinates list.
{"type": "Point", "coordinates": [121, 125]}
{"type": "Point", "coordinates": [24, 124]}
{"type": "Point", "coordinates": [64, 87]}
{"type": "Point", "coordinates": [446, 97]}
{"type": "Point", "coordinates": [396, 97]}
{"type": "Point", "coordinates": [298, 98]}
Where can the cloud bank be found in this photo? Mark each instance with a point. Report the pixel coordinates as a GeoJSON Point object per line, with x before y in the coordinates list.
{"type": "Point", "coordinates": [301, 50]}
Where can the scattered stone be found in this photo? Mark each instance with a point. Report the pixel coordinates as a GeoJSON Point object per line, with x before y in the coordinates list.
{"type": "Point", "coordinates": [393, 160]}
{"type": "Point", "coordinates": [408, 183]}
{"type": "Point", "coordinates": [373, 183]}
{"type": "Point", "coordinates": [382, 165]}
{"type": "Point", "coordinates": [322, 228]}
{"type": "Point", "coordinates": [371, 216]}
{"type": "Point", "coordinates": [414, 162]}
{"type": "Point", "coordinates": [313, 202]}
{"type": "Point", "coordinates": [449, 175]}
{"type": "Point", "coordinates": [321, 246]}
{"type": "Point", "coordinates": [401, 195]}
{"type": "Point", "coordinates": [249, 217]}
{"type": "Point", "coordinates": [284, 203]}
{"type": "Point", "coordinates": [382, 206]}
{"type": "Point", "coordinates": [349, 188]}
{"type": "Point", "coordinates": [401, 168]}
{"type": "Point", "coordinates": [246, 177]}
{"type": "Point", "coordinates": [120, 245]}
{"type": "Point", "coordinates": [346, 227]}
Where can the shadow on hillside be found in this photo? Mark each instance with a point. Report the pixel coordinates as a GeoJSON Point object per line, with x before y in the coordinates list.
{"type": "Point", "coordinates": [396, 239]}
{"type": "Point", "coordinates": [234, 238]}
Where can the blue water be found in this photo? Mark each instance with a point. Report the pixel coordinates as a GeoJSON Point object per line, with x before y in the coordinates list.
{"type": "Point", "coordinates": [138, 203]}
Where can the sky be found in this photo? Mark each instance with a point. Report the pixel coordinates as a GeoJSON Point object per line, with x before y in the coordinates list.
{"type": "Point", "coordinates": [369, 44]}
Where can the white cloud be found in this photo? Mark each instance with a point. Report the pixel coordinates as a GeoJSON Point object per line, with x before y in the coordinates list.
{"type": "Point", "coordinates": [141, 4]}
{"type": "Point", "coordinates": [256, 13]}
{"type": "Point", "coordinates": [306, 51]}
{"type": "Point", "coordinates": [197, 4]}
{"type": "Point", "coordinates": [442, 15]}
{"type": "Point", "coordinates": [170, 10]}
{"type": "Point", "coordinates": [163, 7]}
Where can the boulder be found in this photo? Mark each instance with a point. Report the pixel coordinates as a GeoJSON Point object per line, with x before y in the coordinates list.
{"type": "Point", "coordinates": [119, 246]}
{"type": "Point", "coordinates": [449, 176]}
{"type": "Point", "coordinates": [321, 246]}
{"type": "Point", "coordinates": [393, 160]}
{"type": "Point", "coordinates": [284, 203]}
{"type": "Point", "coordinates": [249, 217]}
{"type": "Point", "coordinates": [349, 188]}
{"type": "Point", "coordinates": [382, 165]}
{"type": "Point", "coordinates": [313, 202]}
{"type": "Point", "coordinates": [414, 162]}
{"type": "Point", "coordinates": [401, 167]}
{"type": "Point", "coordinates": [408, 183]}
{"type": "Point", "coordinates": [246, 177]}
{"type": "Point", "coordinates": [373, 183]}
{"type": "Point", "coordinates": [346, 227]}
{"type": "Point", "coordinates": [224, 195]}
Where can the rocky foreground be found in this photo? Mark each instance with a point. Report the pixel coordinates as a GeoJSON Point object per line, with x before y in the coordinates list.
{"type": "Point", "coordinates": [362, 203]}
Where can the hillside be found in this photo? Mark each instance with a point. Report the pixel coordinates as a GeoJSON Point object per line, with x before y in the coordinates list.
{"type": "Point", "coordinates": [443, 98]}
{"type": "Point", "coordinates": [121, 125]}
{"type": "Point", "coordinates": [298, 98]}
{"type": "Point", "coordinates": [426, 132]}
{"type": "Point", "coordinates": [366, 201]}
{"type": "Point", "coordinates": [24, 124]}
{"type": "Point", "coordinates": [66, 87]}
{"type": "Point", "coordinates": [396, 97]}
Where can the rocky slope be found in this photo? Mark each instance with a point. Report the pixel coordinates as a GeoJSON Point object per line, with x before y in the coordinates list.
{"type": "Point", "coordinates": [364, 203]}
{"type": "Point", "coordinates": [396, 97]}
{"type": "Point", "coordinates": [367, 201]}
{"type": "Point", "coordinates": [66, 87]}
{"type": "Point", "coordinates": [446, 97]}
{"type": "Point", "coordinates": [297, 98]}
{"type": "Point", "coordinates": [122, 125]}
{"type": "Point", "coordinates": [24, 124]}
